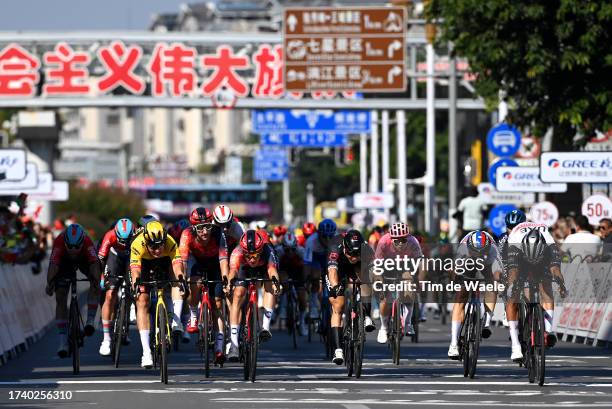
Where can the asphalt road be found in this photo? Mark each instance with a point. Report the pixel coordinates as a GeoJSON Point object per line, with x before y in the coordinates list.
{"type": "Point", "coordinates": [577, 376]}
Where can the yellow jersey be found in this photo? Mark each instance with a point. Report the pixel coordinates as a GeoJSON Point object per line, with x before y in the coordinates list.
{"type": "Point", "coordinates": [139, 251]}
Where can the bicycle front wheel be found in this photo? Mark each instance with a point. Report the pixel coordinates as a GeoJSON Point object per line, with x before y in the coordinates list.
{"type": "Point", "coordinates": [416, 314]}
{"type": "Point", "coordinates": [203, 339]}
{"type": "Point", "coordinates": [539, 345]}
{"type": "Point", "coordinates": [254, 343]}
{"type": "Point", "coordinates": [162, 344]}
{"type": "Point", "coordinates": [474, 344]}
{"type": "Point", "coordinates": [397, 333]}
{"type": "Point", "coordinates": [120, 330]}
{"type": "Point", "coordinates": [359, 340]}
{"type": "Point", "coordinates": [75, 337]}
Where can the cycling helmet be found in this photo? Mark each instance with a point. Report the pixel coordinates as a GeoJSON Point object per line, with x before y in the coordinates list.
{"type": "Point", "coordinates": [327, 228]}
{"type": "Point", "coordinates": [74, 236]}
{"type": "Point", "coordinates": [200, 215]}
{"type": "Point", "coordinates": [223, 214]}
{"type": "Point", "coordinates": [308, 229]}
{"type": "Point", "coordinates": [533, 246]}
{"type": "Point", "coordinates": [154, 233]}
{"type": "Point", "coordinates": [515, 218]}
{"type": "Point", "coordinates": [352, 242]}
{"type": "Point", "coordinates": [124, 230]}
{"type": "Point", "coordinates": [280, 230]}
{"type": "Point", "coordinates": [146, 219]}
{"type": "Point", "coordinates": [479, 242]}
{"type": "Point", "coordinates": [399, 230]}
{"type": "Point", "coordinates": [289, 240]}
{"type": "Point", "coordinates": [252, 242]}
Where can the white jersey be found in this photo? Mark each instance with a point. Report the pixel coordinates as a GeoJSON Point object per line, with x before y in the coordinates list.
{"type": "Point", "coordinates": [520, 231]}
{"type": "Point", "coordinates": [314, 252]}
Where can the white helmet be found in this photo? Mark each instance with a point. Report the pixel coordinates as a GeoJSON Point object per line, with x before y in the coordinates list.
{"type": "Point", "coordinates": [223, 214]}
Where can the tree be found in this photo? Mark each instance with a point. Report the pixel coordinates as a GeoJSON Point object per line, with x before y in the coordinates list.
{"type": "Point", "coordinates": [550, 58]}
{"type": "Point", "coordinates": [98, 207]}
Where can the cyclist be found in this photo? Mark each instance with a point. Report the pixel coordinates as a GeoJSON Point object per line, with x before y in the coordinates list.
{"type": "Point", "coordinates": [254, 255]}
{"type": "Point", "coordinates": [277, 234]}
{"type": "Point", "coordinates": [308, 229]}
{"type": "Point", "coordinates": [351, 258]}
{"type": "Point", "coordinates": [177, 228]}
{"type": "Point", "coordinates": [315, 261]}
{"type": "Point", "coordinates": [203, 249]}
{"type": "Point", "coordinates": [229, 225]}
{"type": "Point", "coordinates": [397, 243]}
{"type": "Point", "coordinates": [291, 265]}
{"type": "Point", "coordinates": [114, 254]}
{"type": "Point", "coordinates": [478, 245]}
{"type": "Point", "coordinates": [375, 236]}
{"type": "Point", "coordinates": [72, 250]}
{"type": "Point", "coordinates": [532, 250]}
{"type": "Point", "coordinates": [512, 219]}
{"type": "Point", "coordinates": [153, 250]}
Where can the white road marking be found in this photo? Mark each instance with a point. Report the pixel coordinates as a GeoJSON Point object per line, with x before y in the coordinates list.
{"type": "Point", "coordinates": [355, 406]}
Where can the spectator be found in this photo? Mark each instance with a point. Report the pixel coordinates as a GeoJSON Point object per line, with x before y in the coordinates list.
{"type": "Point", "coordinates": [583, 243]}
{"type": "Point", "coordinates": [605, 231]}
{"type": "Point", "coordinates": [472, 208]}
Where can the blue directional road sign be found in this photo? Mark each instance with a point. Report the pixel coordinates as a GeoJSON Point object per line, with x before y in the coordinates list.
{"type": "Point", "coordinates": [305, 139]}
{"type": "Point", "coordinates": [504, 140]}
{"type": "Point", "coordinates": [497, 218]}
{"type": "Point", "coordinates": [497, 164]}
{"type": "Point", "coordinates": [270, 164]}
{"type": "Point", "coordinates": [307, 120]}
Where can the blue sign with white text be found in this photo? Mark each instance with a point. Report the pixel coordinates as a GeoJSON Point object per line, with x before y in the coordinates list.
{"type": "Point", "coordinates": [504, 140]}
{"type": "Point", "coordinates": [305, 139]}
{"type": "Point", "coordinates": [308, 120]}
{"type": "Point", "coordinates": [497, 164]}
{"type": "Point", "coordinates": [497, 218]}
{"type": "Point", "coordinates": [270, 164]}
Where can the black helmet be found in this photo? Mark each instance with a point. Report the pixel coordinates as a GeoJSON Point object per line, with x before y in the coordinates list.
{"type": "Point", "coordinates": [514, 218]}
{"type": "Point", "coordinates": [533, 246]}
{"type": "Point", "coordinates": [352, 242]}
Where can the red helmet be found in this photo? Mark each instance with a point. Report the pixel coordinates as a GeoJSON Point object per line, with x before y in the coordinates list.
{"type": "Point", "coordinates": [308, 229]}
{"type": "Point", "coordinates": [399, 230]}
{"type": "Point", "coordinates": [200, 215]}
{"type": "Point", "coordinates": [280, 230]}
{"type": "Point", "coordinates": [252, 242]}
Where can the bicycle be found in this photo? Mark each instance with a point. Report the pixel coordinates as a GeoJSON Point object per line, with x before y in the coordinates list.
{"type": "Point", "coordinates": [121, 323]}
{"type": "Point", "coordinates": [415, 319]}
{"type": "Point", "coordinates": [162, 341]}
{"type": "Point", "coordinates": [354, 331]}
{"type": "Point", "coordinates": [325, 322]}
{"type": "Point", "coordinates": [207, 323]}
{"type": "Point", "coordinates": [249, 344]}
{"type": "Point", "coordinates": [292, 312]}
{"type": "Point", "coordinates": [75, 324]}
{"type": "Point", "coordinates": [471, 334]}
{"type": "Point", "coordinates": [397, 325]}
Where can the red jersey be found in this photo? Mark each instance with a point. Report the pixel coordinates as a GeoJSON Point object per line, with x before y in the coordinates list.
{"type": "Point", "coordinates": [214, 247]}
{"type": "Point", "coordinates": [267, 257]}
{"type": "Point", "coordinates": [59, 251]}
{"type": "Point", "coordinates": [110, 241]}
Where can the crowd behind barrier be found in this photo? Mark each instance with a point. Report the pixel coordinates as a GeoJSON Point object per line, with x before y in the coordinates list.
{"type": "Point", "coordinates": [25, 311]}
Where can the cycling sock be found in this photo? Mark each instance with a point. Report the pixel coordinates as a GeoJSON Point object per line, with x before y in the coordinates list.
{"type": "Point", "coordinates": [548, 320]}
{"type": "Point", "coordinates": [193, 312]}
{"type": "Point", "coordinates": [383, 323]}
{"type": "Point", "coordinates": [367, 309]}
{"type": "Point", "coordinates": [62, 329]}
{"type": "Point", "coordinates": [177, 308]}
{"type": "Point", "coordinates": [106, 330]}
{"type": "Point", "coordinates": [266, 319]}
{"type": "Point", "coordinates": [406, 313]}
{"type": "Point", "coordinates": [234, 334]}
{"type": "Point", "coordinates": [219, 342]}
{"type": "Point", "coordinates": [513, 327]}
{"type": "Point", "coordinates": [455, 328]}
{"type": "Point", "coordinates": [144, 340]}
{"type": "Point", "coordinates": [303, 318]}
{"type": "Point", "coordinates": [336, 334]}
{"type": "Point", "coordinates": [92, 309]}
{"type": "Point", "coordinates": [422, 310]}
{"type": "Point", "coordinates": [487, 319]}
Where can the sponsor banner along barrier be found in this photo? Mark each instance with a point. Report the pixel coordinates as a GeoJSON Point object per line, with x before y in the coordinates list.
{"type": "Point", "coordinates": [25, 309]}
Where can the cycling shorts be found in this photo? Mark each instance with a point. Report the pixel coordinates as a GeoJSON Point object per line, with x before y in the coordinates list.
{"type": "Point", "coordinates": [67, 271]}
{"type": "Point", "coordinates": [117, 266]}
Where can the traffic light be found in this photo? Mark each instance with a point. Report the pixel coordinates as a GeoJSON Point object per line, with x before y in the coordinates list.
{"type": "Point", "coordinates": [476, 155]}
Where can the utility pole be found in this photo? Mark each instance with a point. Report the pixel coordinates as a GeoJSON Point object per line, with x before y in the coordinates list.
{"type": "Point", "coordinates": [430, 178]}
{"type": "Point", "coordinates": [401, 165]}
{"type": "Point", "coordinates": [385, 155]}
{"type": "Point", "coordinates": [452, 147]}
{"type": "Point", "coordinates": [374, 188]}
{"type": "Point", "coordinates": [363, 163]}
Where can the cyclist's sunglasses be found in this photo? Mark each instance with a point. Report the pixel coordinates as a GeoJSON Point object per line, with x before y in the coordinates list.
{"type": "Point", "coordinates": [73, 246]}
{"type": "Point", "coordinates": [155, 246]}
{"type": "Point", "coordinates": [252, 256]}
{"type": "Point", "coordinates": [399, 242]}
{"type": "Point", "coordinates": [204, 226]}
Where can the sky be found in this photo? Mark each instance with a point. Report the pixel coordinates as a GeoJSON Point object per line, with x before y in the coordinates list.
{"type": "Point", "coordinates": [21, 15]}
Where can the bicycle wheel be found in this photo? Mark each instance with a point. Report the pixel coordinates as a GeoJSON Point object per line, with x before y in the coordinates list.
{"type": "Point", "coordinates": [203, 339]}
{"type": "Point", "coordinates": [162, 343]}
{"type": "Point", "coordinates": [397, 333]}
{"type": "Point", "coordinates": [415, 322]}
{"type": "Point", "coordinates": [247, 334]}
{"type": "Point", "coordinates": [75, 335]}
{"type": "Point", "coordinates": [474, 343]}
{"type": "Point", "coordinates": [254, 344]}
{"type": "Point", "coordinates": [523, 329]}
{"type": "Point", "coordinates": [464, 349]}
{"type": "Point", "coordinates": [539, 345]}
{"type": "Point", "coordinates": [119, 331]}
{"type": "Point", "coordinates": [359, 340]}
